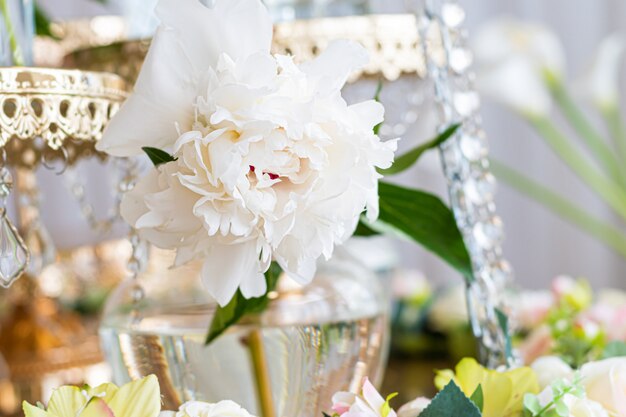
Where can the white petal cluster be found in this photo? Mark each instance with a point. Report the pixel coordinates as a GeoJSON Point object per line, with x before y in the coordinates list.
{"type": "Point", "coordinates": [272, 163]}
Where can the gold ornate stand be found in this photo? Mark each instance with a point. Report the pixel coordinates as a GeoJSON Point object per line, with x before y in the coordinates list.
{"type": "Point", "coordinates": [47, 117]}
{"type": "Point", "coordinates": [392, 41]}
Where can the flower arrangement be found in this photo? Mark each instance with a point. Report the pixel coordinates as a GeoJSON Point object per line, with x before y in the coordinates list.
{"type": "Point", "coordinates": [569, 322]}
{"type": "Point", "coordinates": [547, 388]}
{"type": "Point", "coordinates": [139, 398]}
{"type": "Point", "coordinates": [522, 65]}
{"type": "Point", "coordinates": [261, 166]}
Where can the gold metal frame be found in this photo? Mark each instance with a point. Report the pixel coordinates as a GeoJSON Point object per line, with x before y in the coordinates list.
{"type": "Point", "coordinates": [392, 41]}
{"type": "Point", "coordinates": [52, 113]}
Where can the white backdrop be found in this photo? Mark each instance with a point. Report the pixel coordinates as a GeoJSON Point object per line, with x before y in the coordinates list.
{"type": "Point", "coordinates": [538, 244]}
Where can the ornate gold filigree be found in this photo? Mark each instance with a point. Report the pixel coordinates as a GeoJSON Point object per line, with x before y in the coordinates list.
{"type": "Point", "coordinates": [392, 41]}
{"type": "Point", "coordinates": [54, 113]}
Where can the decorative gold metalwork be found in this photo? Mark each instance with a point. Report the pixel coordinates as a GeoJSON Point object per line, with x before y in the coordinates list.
{"type": "Point", "coordinates": [52, 113]}
{"type": "Point", "coordinates": [392, 41]}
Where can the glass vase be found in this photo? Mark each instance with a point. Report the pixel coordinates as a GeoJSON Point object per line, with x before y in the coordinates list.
{"type": "Point", "coordinates": [317, 339]}
{"type": "Point", "coordinates": [17, 30]}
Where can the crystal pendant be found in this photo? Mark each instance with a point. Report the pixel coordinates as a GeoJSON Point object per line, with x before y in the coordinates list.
{"type": "Point", "coordinates": [13, 252]}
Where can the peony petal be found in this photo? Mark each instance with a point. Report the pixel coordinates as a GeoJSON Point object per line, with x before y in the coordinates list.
{"type": "Point", "coordinates": [164, 97]}
{"type": "Point", "coordinates": [227, 266]}
{"type": "Point", "coordinates": [369, 113]}
{"type": "Point", "coordinates": [238, 28]}
{"type": "Point", "coordinates": [335, 64]}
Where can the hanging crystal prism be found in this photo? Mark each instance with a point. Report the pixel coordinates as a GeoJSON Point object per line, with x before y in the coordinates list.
{"type": "Point", "coordinates": [14, 255]}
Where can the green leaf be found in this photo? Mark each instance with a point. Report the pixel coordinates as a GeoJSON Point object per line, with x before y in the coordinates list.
{"type": "Point", "coordinates": [614, 349]}
{"type": "Point", "coordinates": [379, 88]}
{"type": "Point", "coordinates": [239, 306]}
{"type": "Point", "coordinates": [363, 230]}
{"type": "Point", "coordinates": [42, 23]}
{"type": "Point", "coordinates": [158, 156]}
{"type": "Point", "coordinates": [423, 218]}
{"type": "Point", "coordinates": [503, 321]}
{"type": "Point", "coordinates": [405, 161]}
{"type": "Point", "coordinates": [451, 402]}
{"type": "Point", "coordinates": [477, 397]}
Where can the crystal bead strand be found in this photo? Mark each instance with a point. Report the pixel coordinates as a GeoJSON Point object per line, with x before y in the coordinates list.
{"type": "Point", "coordinates": [77, 188]}
{"type": "Point", "coordinates": [464, 158]}
{"type": "Point", "coordinates": [14, 255]}
{"type": "Point", "coordinates": [139, 249]}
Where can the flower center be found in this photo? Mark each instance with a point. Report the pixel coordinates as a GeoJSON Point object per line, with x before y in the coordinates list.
{"type": "Point", "coordinates": [270, 174]}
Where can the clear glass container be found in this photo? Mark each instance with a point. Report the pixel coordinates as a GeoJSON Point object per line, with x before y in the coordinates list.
{"type": "Point", "coordinates": [17, 30]}
{"type": "Point", "coordinates": [318, 338]}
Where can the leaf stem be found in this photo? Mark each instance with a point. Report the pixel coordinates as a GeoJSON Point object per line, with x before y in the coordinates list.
{"type": "Point", "coordinates": [606, 188]}
{"type": "Point", "coordinates": [616, 126]}
{"type": "Point", "coordinates": [592, 138]}
{"type": "Point", "coordinates": [262, 380]}
{"type": "Point", "coordinates": [602, 231]}
{"type": "Point", "coordinates": [18, 58]}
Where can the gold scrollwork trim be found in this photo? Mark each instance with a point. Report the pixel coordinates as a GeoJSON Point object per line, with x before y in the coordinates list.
{"type": "Point", "coordinates": [43, 111]}
{"type": "Point", "coordinates": [392, 41]}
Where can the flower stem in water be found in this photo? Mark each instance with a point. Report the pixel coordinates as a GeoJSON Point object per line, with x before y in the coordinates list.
{"type": "Point", "coordinates": [254, 341]}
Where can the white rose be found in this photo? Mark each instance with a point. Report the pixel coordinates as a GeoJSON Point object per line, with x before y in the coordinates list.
{"type": "Point", "coordinates": [414, 408]}
{"type": "Point", "coordinates": [512, 59]}
{"type": "Point", "coordinates": [550, 369]}
{"type": "Point", "coordinates": [272, 163]}
{"type": "Point", "coordinates": [605, 382]}
{"type": "Point", "coordinates": [224, 408]}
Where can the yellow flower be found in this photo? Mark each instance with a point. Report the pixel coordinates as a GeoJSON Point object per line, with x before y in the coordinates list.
{"type": "Point", "coordinates": [140, 398]}
{"type": "Point", "coordinates": [503, 392]}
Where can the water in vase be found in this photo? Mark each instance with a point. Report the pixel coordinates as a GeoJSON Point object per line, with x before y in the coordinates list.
{"type": "Point", "coordinates": [317, 339]}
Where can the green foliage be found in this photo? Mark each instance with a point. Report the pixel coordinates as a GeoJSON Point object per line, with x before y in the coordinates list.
{"type": "Point", "coordinates": [42, 23]}
{"type": "Point", "coordinates": [379, 88]}
{"type": "Point", "coordinates": [363, 230]}
{"type": "Point", "coordinates": [239, 306]}
{"type": "Point", "coordinates": [557, 406]}
{"type": "Point", "coordinates": [503, 321]}
{"type": "Point", "coordinates": [614, 349]}
{"type": "Point", "coordinates": [451, 402]}
{"type": "Point", "coordinates": [408, 159]}
{"type": "Point", "coordinates": [571, 342]}
{"type": "Point", "coordinates": [158, 156]}
{"type": "Point", "coordinates": [422, 218]}
{"type": "Point", "coordinates": [477, 397]}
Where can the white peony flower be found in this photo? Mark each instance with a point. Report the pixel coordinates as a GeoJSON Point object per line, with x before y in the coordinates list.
{"type": "Point", "coordinates": [550, 369]}
{"type": "Point", "coordinates": [512, 60]}
{"type": "Point", "coordinates": [414, 408]}
{"type": "Point", "coordinates": [605, 383]}
{"type": "Point", "coordinates": [272, 163]}
{"type": "Point", "coordinates": [224, 408]}
{"type": "Point", "coordinates": [601, 83]}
